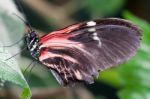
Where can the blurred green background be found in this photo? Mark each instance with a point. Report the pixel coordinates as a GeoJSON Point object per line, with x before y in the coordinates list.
{"type": "Point", "coordinates": [131, 80]}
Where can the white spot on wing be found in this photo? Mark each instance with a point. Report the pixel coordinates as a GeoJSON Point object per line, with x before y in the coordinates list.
{"type": "Point", "coordinates": [91, 23]}
{"type": "Point", "coordinates": [95, 37]}
{"type": "Point", "coordinates": [94, 34]}
{"type": "Point", "coordinates": [92, 29]}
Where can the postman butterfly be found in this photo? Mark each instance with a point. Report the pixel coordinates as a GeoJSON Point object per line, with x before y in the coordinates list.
{"type": "Point", "coordinates": [79, 52]}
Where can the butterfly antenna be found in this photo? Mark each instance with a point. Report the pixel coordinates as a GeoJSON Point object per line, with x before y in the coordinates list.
{"type": "Point", "coordinates": [27, 23]}
{"type": "Point", "coordinates": [14, 43]}
{"type": "Point", "coordinates": [15, 54]}
{"type": "Point", "coordinates": [21, 8]}
{"type": "Point", "coordinates": [28, 67]}
{"type": "Point", "coordinates": [31, 71]}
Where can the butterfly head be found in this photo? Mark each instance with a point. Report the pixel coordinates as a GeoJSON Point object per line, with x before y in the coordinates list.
{"type": "Point", "coordinates": [32, 41]}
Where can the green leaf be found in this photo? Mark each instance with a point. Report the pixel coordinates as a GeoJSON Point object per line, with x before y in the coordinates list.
{"type": "Point", "coordinates": [134, 93]}
{"type": "Point", "coordinates": [12, 29]}
{"type": "Point", "coordinates": [26, 94]}
{"type": "Point", "coordinates": [10, 71]}
{"type": "Point", "coordinates": [136, 72]}
{"type": "Point", "coordinates": [112, 77]}
{"type": "Point", "coordinates": [139, 67]}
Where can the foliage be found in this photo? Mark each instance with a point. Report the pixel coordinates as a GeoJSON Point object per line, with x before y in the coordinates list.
{"type": "Point", "coordinates": [10, 27]}
{"type": "Point", "coordinates": [104, 7]}
{"type": "Point", "coordinates": [136, 72]}
{"type": "Point", "coordinates": [10, 71]}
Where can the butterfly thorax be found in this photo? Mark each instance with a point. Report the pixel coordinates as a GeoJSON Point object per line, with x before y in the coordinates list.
{"type": "Point", "coordinates": [32, 41]}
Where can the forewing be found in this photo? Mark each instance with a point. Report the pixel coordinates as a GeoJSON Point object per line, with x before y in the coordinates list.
{"type": "Point", "coordinates": [77, 52]}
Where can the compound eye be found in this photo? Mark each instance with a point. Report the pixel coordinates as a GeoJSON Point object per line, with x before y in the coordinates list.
{"type": "Point", "coordinates": [33, 34]}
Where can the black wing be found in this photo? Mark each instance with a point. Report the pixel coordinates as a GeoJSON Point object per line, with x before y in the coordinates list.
{"type": "Point", "coordinates": [78, 55]}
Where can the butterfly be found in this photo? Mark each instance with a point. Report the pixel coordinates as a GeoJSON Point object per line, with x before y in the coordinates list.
{"type": "Point", "coordinates": [80, 51]}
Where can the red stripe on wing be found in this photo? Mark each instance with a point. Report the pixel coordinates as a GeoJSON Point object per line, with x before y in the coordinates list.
{"type": "Point", "coordinates": [60, 33]}
{"type": "Point", "coordinates": [46, 54]}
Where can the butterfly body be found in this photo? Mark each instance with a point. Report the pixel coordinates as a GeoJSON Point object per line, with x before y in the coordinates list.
{"type": "Point", "coordinates": [76, 53]}
{"type": "Point", "coordinates": [32, 42]}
